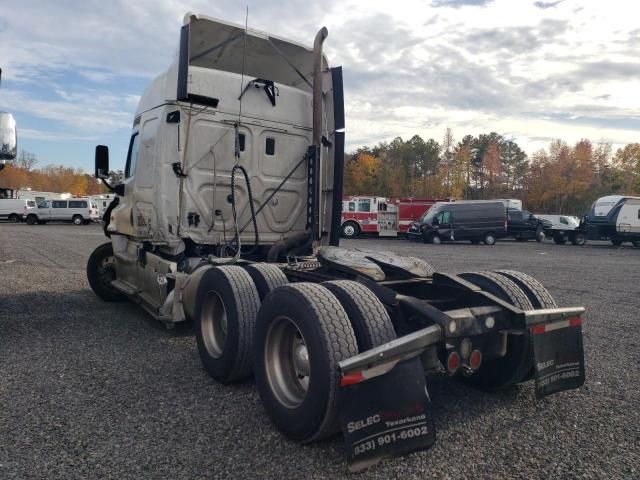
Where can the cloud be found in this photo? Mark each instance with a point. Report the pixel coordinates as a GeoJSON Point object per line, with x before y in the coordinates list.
{"type": "Point", "coordinates": [545, 5]}
{"type": "Point", "coordinates": [460, 3]}
{"type": "Point", "coordinates": [76, 69]}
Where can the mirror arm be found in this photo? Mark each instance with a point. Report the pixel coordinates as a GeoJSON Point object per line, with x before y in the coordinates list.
{"type": "Point", "coordinates": [117, 189]}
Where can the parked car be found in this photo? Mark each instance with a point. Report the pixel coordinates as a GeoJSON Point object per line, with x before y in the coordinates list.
{"type": "Point", "coordinates": [525, 226]}
{"type": "Point", "coordinates": [564, 228]}
{"type": "Point", "coordinates": [15, 210]}
{"type": "Point", "coordinates": [474, 221]}
{"type": "Point", "coordinates": [76, 210]}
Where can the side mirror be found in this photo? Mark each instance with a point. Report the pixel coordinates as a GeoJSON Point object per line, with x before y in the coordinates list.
{"type": "Point", "coordinates": [8, 137]}
{"type": "Point", "coordinates": [102, 162]}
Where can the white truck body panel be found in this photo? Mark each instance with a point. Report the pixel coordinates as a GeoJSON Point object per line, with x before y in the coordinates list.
{"type": "Point", "coordinates": [564, 222]}
{"type": "Point", "coordinates": [157, 205]}
{"type": "Point", "coordinates": [17, 207]}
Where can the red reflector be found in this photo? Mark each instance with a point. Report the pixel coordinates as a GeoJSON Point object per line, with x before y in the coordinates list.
{"type": "Point", "coordinates": [351, 379]}
{"type": "Point", "coordinates": [475, 360]}
{"type": "Point", "coordinates": [538, 329]}
{"type": "Point", "coordinates": [453, 362]}
{"type": "Point", "coordinates": [575, 322]}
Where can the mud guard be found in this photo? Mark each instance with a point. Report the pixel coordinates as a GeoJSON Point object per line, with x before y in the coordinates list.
{"type": "Point", "coordinates": [386, 416]}
{"type": "Point", "coordinates": [559, 356]}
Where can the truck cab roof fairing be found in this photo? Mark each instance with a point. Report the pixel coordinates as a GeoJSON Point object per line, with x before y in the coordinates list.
{"type": "Point", "coordinates": [221, 46]}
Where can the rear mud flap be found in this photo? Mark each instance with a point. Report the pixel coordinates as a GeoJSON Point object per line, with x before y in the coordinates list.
{"type": "Point", "coordinates": [386, 416]}
{"type": "Point", "coordinates": [559, 356]}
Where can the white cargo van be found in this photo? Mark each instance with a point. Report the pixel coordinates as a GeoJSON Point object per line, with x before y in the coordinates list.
{"type": "Point", "coordinates": [77, 210]}
{"type": "Point", "coordinates": [16, 210]}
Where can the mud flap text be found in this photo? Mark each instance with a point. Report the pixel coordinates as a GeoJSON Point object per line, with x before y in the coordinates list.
{"type": "Point", "coordinates": [559, 357]}
{"type": "Point", "coordinates": [386, 416]}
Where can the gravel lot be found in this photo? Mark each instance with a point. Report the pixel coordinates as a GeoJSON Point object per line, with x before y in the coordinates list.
{"type": "Point", "coordinates": [90, 389]}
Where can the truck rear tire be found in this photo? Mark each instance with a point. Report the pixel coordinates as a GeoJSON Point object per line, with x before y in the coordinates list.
{"type": "Point", "coordinates": [560, 239]}
{"type": "Point", "coordinates": [32, 219]}
{"type": "Point", "coordinates": [370, 320]}
{"type": "Point", "coordinates": [350, 230]}
{"type": "Point", "coordinates": [503, 372]}
{"type": "Point", "coordinates": [302, 332]}
{"type": "Point", "coordinates": [227, 304]}
{"type": "Point", "coordinates": [14, 218]}
{"type": "Point", "coordinates": [101, 271]}
{"type": "Point", "coordinates": [579, 239]}
{"type": "Point", "coordinates": [266, 277]}
{"type": "Point", "coordinates": [533, 289]}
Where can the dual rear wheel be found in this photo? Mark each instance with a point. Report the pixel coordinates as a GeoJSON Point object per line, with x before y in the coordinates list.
{"type": "Point", "coordinates": [290, 336]}
{"type": "Point", "coordinates": [526, 293]}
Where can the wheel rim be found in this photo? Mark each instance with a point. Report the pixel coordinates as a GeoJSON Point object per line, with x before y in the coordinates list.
{"type": "Point", "coordinates": [489, 240]}
{"type": "Point", "coordinates": [107, 272]}
{"type": "Point", "coordinates": [77, 221]}
{"type": "Point", "coordinates": [287, 362]}
{"type": "Point", "coordinates": [214, 324]}
{"type": "Point", "coordinates": [349, 230]}
{"type": "Point", "coordinates": [436, 240]}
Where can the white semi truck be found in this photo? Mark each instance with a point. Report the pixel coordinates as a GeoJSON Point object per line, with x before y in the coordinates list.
{"type": "Point", "coordinates": [229, 217]}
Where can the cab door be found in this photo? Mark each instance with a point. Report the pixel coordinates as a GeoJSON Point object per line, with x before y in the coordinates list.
{"type": "Point", "coordinates": [445, 225]}
{"type": "Point", "coordinates": [44, 210]}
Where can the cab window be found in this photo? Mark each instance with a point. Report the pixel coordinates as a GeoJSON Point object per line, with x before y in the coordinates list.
{"type": "Point", "coordinates": [59, 204]}
{"type": "Point", "coordinates": [445, 218]}
{"type": "Point", "coordinates": [364, 206]}
{"type": "Point", "coordinates": [564, 221]}
{"type": "Point", "coordinates": [132, 156]}
{"type": "Point", "coordinates": [43, 205]}
{"type": "Point", "coordinates": [352, 206]}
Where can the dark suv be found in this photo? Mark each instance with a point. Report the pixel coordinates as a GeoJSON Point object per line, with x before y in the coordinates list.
{"type": "Point", "coordinates": [525, 226]}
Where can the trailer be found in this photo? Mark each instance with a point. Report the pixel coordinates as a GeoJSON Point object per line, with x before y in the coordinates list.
{"type": "Point", "coordinates": [230, 217]}
{"type": "Point", "coordinates": [615, 218]}
{"type": "Point", "coordinates": [382, 216]}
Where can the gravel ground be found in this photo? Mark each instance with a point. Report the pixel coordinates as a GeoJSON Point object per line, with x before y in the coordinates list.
{"type": "Point", "coordinates": [90, 389]}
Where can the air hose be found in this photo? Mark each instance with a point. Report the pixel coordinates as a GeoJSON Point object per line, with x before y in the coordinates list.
{"type": "Point", "coordinates": [236, 237]}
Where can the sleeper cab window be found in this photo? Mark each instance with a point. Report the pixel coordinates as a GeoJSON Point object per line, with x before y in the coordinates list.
{"type": "Point", "coordinates": [270, 146]}
{"type": "Point", "coordinates": [132, 156]}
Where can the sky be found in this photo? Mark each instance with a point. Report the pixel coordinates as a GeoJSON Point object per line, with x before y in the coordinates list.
{"type": "Point", "coordinates": [533, 71]}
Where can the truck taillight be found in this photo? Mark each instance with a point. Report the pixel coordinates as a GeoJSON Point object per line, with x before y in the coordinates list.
{"type": "Point", "coordinates": [453, 362]}
{"type": "Point", "coordinates": [475, 359]}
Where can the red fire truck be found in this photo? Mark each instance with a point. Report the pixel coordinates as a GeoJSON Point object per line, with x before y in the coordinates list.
{"type": "Point", "coordinates": [383, 216]}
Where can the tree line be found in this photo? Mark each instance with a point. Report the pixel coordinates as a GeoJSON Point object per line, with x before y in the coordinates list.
{"type": "Point", "coordinates": [21, 173]}
{"type": "Point", "coordinates": [562, 179]}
